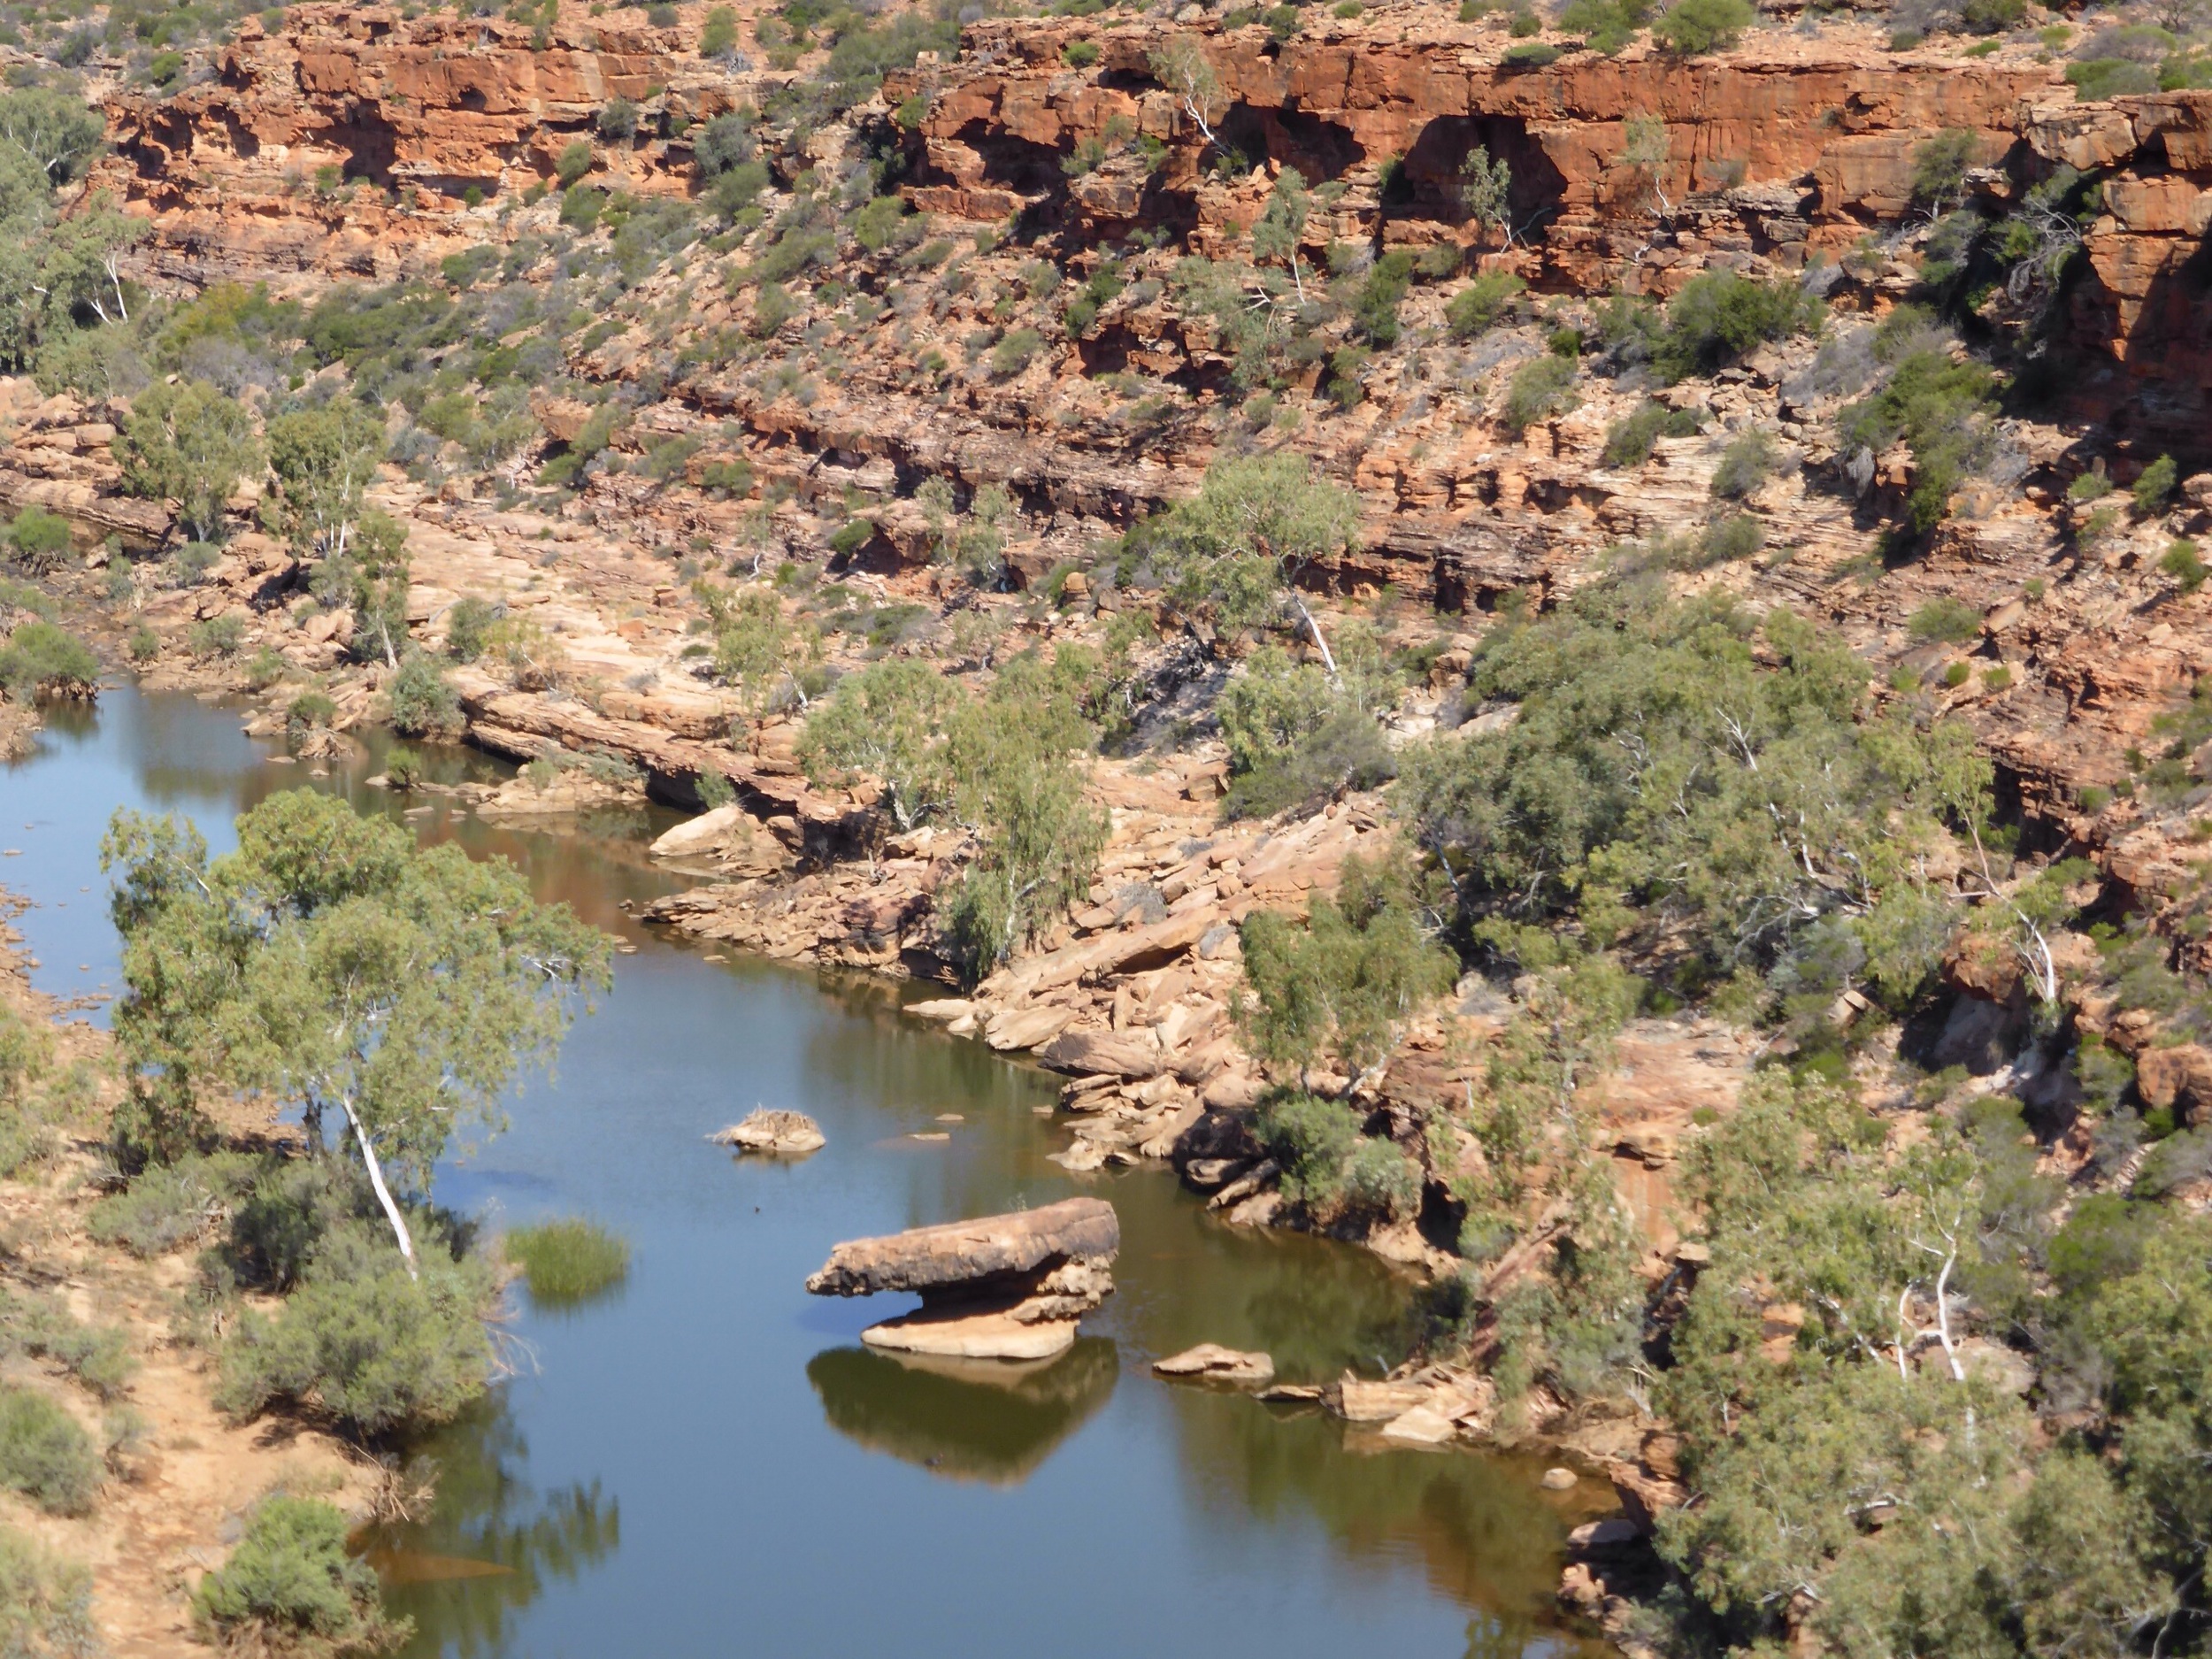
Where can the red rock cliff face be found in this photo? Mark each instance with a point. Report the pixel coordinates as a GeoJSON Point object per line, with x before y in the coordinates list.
{"type": "Point", "coordinates": [423, 109]}
{"type": "Point", "coordinates": [1822, 137]}
{"type": "Point", "coordinates": [1788, 150]}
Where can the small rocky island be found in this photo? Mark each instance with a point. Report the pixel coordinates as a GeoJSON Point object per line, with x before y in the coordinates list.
{"type": "Point", "coordinates": [1008, 1288]}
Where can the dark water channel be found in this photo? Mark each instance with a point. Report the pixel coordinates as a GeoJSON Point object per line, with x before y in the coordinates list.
{"type": "Point", "coordinates": [706, 1461]}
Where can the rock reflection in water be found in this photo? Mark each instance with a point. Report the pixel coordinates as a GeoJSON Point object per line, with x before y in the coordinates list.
{"type": "Point", "coordinates": [513, 1538]}
{"type": "Point", "coordinates": [984, 1420]}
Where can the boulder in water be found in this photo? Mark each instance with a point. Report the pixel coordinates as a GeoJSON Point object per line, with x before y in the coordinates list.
{"type": "Point", "coordinates": [1008, 1287]}
{"type": "Point", "coordinates": [1210, 1362]}
{"type": "Point", "coordinates": [786, 1132]}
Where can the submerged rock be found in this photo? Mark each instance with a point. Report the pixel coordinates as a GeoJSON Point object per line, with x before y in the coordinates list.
{"type": "Point", "coordinates": [786, 1132]}
{"type": "Point", "coordinates": [997, 1288]}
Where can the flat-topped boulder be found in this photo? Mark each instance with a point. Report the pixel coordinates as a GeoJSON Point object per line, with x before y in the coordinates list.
{"type": "Point", "coordinates": [986, 1254]}
{"type": "Point", "coordinates": [1008, 1287]}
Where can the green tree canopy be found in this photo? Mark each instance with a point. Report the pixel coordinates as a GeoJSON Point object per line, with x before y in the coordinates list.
{"type": "Point", "coordinates": [1686, 763]}
{"type": "Point", "coordinates": [325, 459]}
{"type": "Point", "coordinates": [1361, 964]}
{"type": "Point", "coordinates": [187, 443]}
{"type": "Point", "coordinates": [1233, 550]}
{"type": "Point", "coordinates": [331, 963]}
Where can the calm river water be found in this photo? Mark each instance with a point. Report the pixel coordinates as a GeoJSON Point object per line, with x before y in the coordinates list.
{"type": "Point", "coordinates": [705, 1461]}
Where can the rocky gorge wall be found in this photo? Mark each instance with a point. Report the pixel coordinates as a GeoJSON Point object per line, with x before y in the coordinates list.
{"type": "Point", "coordinates": [254, 172]}
{"type": "Point", "coordinates": [1789, 150]}
{"type": "Point", "coordinates": [1786, 151]}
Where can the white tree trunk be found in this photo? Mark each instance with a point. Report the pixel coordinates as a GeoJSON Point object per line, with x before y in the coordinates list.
{"type": "Point", "coordinates": [1328, 659]}
{"type": "Point", "coordinates": [383, 1193]}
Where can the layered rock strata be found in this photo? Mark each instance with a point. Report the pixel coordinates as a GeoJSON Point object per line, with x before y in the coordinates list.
{"type": "Point", "coordinates": [997, 1288]}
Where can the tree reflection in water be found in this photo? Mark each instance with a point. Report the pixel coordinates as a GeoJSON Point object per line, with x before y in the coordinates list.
{"type": "Point", "coordinates": [1469, 1520]}
{"type": "Point", "coordinates": [490, 1527]}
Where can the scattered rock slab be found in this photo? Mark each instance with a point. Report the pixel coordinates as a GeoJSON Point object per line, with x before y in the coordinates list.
{"type": "Point", "coordinates": [1557, 1479]}
{"type": "Point", "coordinates": [1424, 1426]}
{"type": "Point", "coordinates": [1363, 1401]}
{"type": "Point", "coordinates": [1008, 1287]}
{"type": "Point", "coordinates": [785, 1133]}
{"type": "Point", "coordinates": [1210, 1362]}
{"type": "Point", "coordinates": [1292, 1394]}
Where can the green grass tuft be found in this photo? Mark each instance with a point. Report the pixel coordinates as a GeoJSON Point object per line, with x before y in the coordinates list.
{"type": "Point", "coordinates": [568, 1261]}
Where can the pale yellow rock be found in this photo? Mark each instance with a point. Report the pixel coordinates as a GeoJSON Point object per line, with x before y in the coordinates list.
{"type": "Point", "coordinates": [1421, 1426]}
{"type": "Point", "coordinates": [993, 1334]}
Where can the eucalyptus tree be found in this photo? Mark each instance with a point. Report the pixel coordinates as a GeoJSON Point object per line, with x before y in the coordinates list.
{"type": "Point", "coordinates": [388, 991]}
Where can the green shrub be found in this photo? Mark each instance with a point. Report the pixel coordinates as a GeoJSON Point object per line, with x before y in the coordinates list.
{"type": "Point", "coordinates": [1375, 307]}
{"type": "Point", "coordinates": [1524, 25]}
{"type": "Point", "coordinates": [145, 644]}
{"type": "Point", "coordinates": [39, 539]}
{"type": "Point", "coordinates": [569, 1261]}
{"type": "Point", "coordinates": [169, 1205]}
{"type": "Point", "coordinates": [573, 162]}
{"type": "Point", "coordinates": [1956, 675]}
{"type": "Point", "coordinates": [98, 1356]}
{"type": "Point", "coordinates": [2111, 78]}
{"type": "Point", "coordinates": [45, 1603]}
{"type": "Point", "coordinates": [1079, 54]}
{"type": "Point", "coordinates": [45, 1453]}
{"type": "Point", "coordinates": [580, 208]}
{"type": "Point", "coordinates": [1942, 410]}
{"type": "Point", "coordinates": [1312, 1138]}
{"type": "Point", "coordinates": [1719, 316]}
{"type": "Point", "coordinates": [42, 660]}
{"type": "Point", "coordinates": [1382, 1182]}
{"type": "Point", "coordinates": [2181, 561]}
{"type": "Point", "coordinates": [1540, 387]}
{"type": "Point", "coordinates": [372, 1348]}
{"type": "Point", "coordinates": [2091, 485]}
{"type": "Point", "coordinates": [1629, 441]}
{"type": "Point", "coordinates": [2155, 487]}
{"type": "Point", "coordinates": [1013, 353]}
{"type": "Point", "coordinates": [217, 636]}
{"type": "Point", "coordinates": [466, 624]}
{"type": "Point", "coordinates": [290, 1586]}
{"type": "Point", "coordinates": [1607, 25]}
{"type": "Point", "coordinates": [264, 668]}
{"type": "Point", "coordinates": [1704, 26]}
{"type": "Point", "coordinates": [618, 120]}
{"type": "Point", "coordinates": [1997, 678]}
{"type": "Point", "coordinates": [423, 701]}
{"type": "Point", "coordinates": [1944, 620]}
{"type": "Point", "coordinates": [1991, 16]}
{"type": "Point", "coordinates": [883, 223]}
{"type": "Point", "coordinates": [718, 36]}
{"type": "Point", "coordinates": [1939, 166]}
{"type": "Point", "coordinates": [1736, 536]}
{"type": "Point", "coordinates": [309, 710]}
{"type": "Point", "coordinates": [723, 144]}
{"type": "Point", "coordinates": [1530, 54]}
{"type": "Point", "coordinates": [1748, 461]}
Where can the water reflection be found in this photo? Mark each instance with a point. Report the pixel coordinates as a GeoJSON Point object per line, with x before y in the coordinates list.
{"type": "Point", "coordinates": [500, 1539]}
{"type": "Point", "coordinates": [964, 1419]}
{"type": "Point", "coordinates": [720, 1425]}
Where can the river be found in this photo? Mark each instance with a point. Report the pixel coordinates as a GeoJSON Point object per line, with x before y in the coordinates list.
{"type": "Point", "coordinates": [705, 1461]}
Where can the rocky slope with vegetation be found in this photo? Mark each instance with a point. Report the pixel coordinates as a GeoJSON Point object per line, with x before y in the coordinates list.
{"type": "Point", "coordinates": [1569, 643]}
